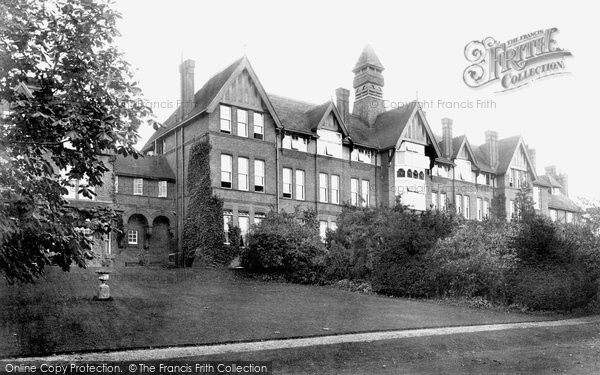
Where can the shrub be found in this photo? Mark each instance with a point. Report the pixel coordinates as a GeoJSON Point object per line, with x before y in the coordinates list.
{"type": "Point", "coordinates": [475, 260]}
{"type": "Point", "coordinates": [286, 244]}
{"type": "Point", "coordinates": [552, 287]}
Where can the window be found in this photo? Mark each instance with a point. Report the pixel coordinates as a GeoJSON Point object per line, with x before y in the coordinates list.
{"type": "Point", "coordinates": [259, 175]}
{"type": "Point", "coordinates": [287, 183]}
{"type": "Point", "coordinates": [138, 186]}
{"type": "Point", "coordinates": [323, 188]}
{"type": "Point", "coordinates": [486, 209]}
{"type": "Point", "coordinates": [569, 217]}
{"type": "Point", "coordinates": [553, 215]}
{"type": "Point", "coordinates": [434, 200]}
{"type": "Point", "coordinates": [536, 197]}
{"type": "Point", "coordinates": [116, 184]}
{"type": "Point", "coordinates": [479, 209]}
{"type": "Point", "coordinates": [354, 191]}
{"type": "Point", "coordinates": [401, 173]}
{"type": "Point", "coordinates": [443, 202]}
{"type": "Point", "coordinates": [259, 126]}
{"type": "Point", "coordinates": [225, 119]}
{"type": "Point", "coordinates": [364, 156]}
{"type": "Point", "coordinates": [323, 229]}
{"type": "Point", "coordinates": [421, 176]}
{"type": "Point", "coordinates": [329, 143]}
{"type": "Point", "coordinates": [243, 173]}
{"type": "Point", "coordinates": [242, 123]}
{"type": "Point", "coordinates": [409, 173]}
{"type": "Point", "coordinates": [132, 237]}
{"type": "Point", "coordinates": [244, 224]}
{"type": "Point", "coordinates": [258, 218]}
{"type": "Point", "coordinates": [458, 202]}
{"type": "Point", "coordinates": [365, 193]}
{"type": "Point", "coordinates": [335, 189]}
{"type": "Point", "coordinates": [162, 189]}
{"type": "Point", "coordinates": [227, 219]}
{"type": "Point", "coordinates": [513, 210]}
{"type": "Point", "coordinates": [467, 206]}
{"type": "Point", "coordinates": [300, 184]}
{"type": "Point", "coordinates": [226, 170]}
{"type": "Point", "coordinates": [333, 226]}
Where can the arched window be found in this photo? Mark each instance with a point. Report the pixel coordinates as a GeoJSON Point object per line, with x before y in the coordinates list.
{"type": "Point", "coordinates": [421, 176]}
{"type": "Point", "coordinates": [409, 174]}
{"type": "Point", "coordinates": [415, 175]}
{"type": "Point", "coordinates": [401, 173]}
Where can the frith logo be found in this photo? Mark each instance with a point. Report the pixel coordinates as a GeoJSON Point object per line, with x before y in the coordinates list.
{"type": "Point", "coordinates": [515, 63]}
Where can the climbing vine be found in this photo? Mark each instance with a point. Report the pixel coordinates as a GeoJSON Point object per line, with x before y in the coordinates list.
{"type": "Point", "coordinates": [203, 225]}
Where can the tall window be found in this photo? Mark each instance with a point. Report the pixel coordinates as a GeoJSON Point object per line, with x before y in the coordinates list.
{"type": "Point", "coordinates": [486, 209]}
{"type": "Point", "coordinates": [244, 224]}
{"type": "Point", "coordinates": [323, 188]}
{"type": "Point", "coordinates": [553, 215]}
{"type": "Point", "coordinates": [226, 170]}
{"type": "Point", "coordinates": [434, 200]}
{"type": "Point", "coordinates": [569, 217]}
{"type": "Point", "coordinates": [536, 197]}
{"type": "Point", "coordinates": [287, 183]}
{"type": "Point", "coordinates": [162, 189]}
{"type": "Point", "coordinates": [443, 202]}
{"type": "Point", "coordinates": [335, 189]}
{"type": "Point", "coordinates": [243, 173]}
{"type": "Point", "coordinates": [299, 184]}
{"type": "Point", "coordinates": [227, 219]}
{"type": "Point", "coordinates": [364, 190]}
{"type": "Point", "coordinates": [458, 203]}
{"type": "Point", "coordinates": [132, 237]}
{"type": "Point", "coordinates": [259, 126]}
{"type": "Point", "coordinates": [116, 184]}
{"type": "Point", "coordinates": [138, 186]}
{"type": "Point", "coordinates": [322, 229]}
{"type": "Point", "coordinates": [242, 123]}
{"type": "Point", "coordinates": [354, 191]}
{"type": "Point", "coordinates": [467, 205]}
{"type": "Point", "coordinates": [479, 209]}
{"type": "Point", "coordinates": [225, 119]}
{"type": "Point", "coordinates": [259, 175]}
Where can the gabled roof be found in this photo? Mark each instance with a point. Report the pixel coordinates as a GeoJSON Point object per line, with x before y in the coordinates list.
{"type": "Point", "coordinates": [368, 58]}
{"type": "Point", "coordinates": [207, 98]}
{"type": "Point", "coordinates": [293, 113]}
{"type": "Point", "coordinates": [389, 125]}
{"type": "Point", "coordinates": [562, 202]}
{"type": "Point", "coordinates": [155, 167]}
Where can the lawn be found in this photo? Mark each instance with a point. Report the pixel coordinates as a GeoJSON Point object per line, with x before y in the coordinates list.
{"type": "Point", "coordinates": [156, 307]}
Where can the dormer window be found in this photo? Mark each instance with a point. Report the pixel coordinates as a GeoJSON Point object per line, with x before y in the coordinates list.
{"type": "Point", "coordinates": [329, 143]}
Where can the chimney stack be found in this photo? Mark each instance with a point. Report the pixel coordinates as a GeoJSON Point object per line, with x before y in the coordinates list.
{"type": "Point", "coordinates": [447, 137]}
{"type": "Point", "coordinates": [343, 102]}
{"type": "Point", "coordinates": [562, 178]}
{"type": "Point", "coordinates": [186, 70]}
{"type": "Point", "coordinates": [551, 170]}
{"type": "Point", "coordinates": [491, 141]}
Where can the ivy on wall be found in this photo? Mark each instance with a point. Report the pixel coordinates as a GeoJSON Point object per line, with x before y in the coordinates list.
{"type": "Point", "coordinates": [498, 209]}
{"type": "Point", "coordinates": [203, 225]}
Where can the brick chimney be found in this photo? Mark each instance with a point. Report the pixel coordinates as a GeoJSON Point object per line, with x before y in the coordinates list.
{"type": "Point", "coordinates": [368, 87]}
{"type": "Point", "coordinates": [186, 70]}
{"type": "Point", "coordinates": [447, 137]}
{"type": "Point", "coordinates": [562, 178]}
{"type": "Point", "coordinates": [491, 141]}
{"type": "Point", "coordinates": [343, 102]}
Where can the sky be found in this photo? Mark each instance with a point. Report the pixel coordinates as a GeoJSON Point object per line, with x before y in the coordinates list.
{"type": "Point", "coordinates": [307, 49]}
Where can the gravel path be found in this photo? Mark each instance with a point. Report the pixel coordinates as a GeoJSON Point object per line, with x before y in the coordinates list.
{"type": "Point", "coordinates": [202, 350]}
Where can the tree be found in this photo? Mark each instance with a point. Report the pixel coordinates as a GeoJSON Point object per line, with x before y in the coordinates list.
{"type": "Point", "coordinates": [524, 204]}
{"type": "Point", "coordinates": [498, 210]}
{"type": "Point", "coordinates": [82, 105]}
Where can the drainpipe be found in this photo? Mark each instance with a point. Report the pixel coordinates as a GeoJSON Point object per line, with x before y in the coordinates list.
{"type": "Point", "coordinates": [279, 135]}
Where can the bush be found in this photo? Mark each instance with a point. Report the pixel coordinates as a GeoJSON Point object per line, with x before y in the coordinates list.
{"type": "Point", "coordinates": [552, 287]}
{"type": "Point", "coordinates": [475, 261]}
{"type": "Point", "coordinates": [286, 244]}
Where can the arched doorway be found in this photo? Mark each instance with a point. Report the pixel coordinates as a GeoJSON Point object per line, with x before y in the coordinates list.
{"type": "Point", "coordinates": [134, 241]}
{"type": "Point", "coordinates": [160, 240]}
